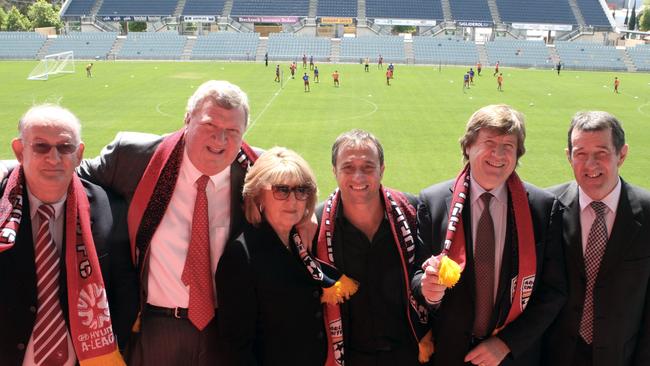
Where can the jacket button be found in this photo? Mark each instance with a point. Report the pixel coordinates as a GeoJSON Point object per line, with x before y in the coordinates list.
{"type": "Point", "coordinates": [21, 346]}
{"type": "Point", "coordinates": [32, 309]}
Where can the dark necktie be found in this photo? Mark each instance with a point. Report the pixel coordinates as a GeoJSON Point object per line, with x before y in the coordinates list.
{"type": "Point", "coordinates": [596, 244]}
{"type": "Point", "coordinates": [197, 273]}
{"type": "Point", "coordinates": [484, 254]}
{"type": "Point", "coordinates": [50, 331]}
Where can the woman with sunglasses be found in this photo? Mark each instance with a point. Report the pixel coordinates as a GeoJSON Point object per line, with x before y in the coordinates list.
{"type": "Point", "coordinates": [269, 304]}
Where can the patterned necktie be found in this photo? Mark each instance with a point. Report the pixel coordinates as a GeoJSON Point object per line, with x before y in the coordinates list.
{"type": "Point", "coordinates": [484, 269]}
{"type": "Point", "coordinates": [596, 243]}
{"type": "Point", "coordinates": [50, 331]}
{"type": "Point", "coordinates": [197, 273]}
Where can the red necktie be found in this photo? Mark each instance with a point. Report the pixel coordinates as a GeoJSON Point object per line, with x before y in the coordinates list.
{"type": "Point", "coordinates": [50, 332]}
{"type": "Point", "coordinates": [197, 273]}
{"type": "Point", "coordinates": [596, 244]}
{"type": "Point", "coordinates": [484, 269]}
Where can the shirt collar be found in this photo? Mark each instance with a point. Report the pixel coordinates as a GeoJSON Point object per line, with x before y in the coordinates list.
{"type": "Point", "coordinates": [193, 173]}
{"type": "Point", "coordinates": [35, 203]}
{"type": "Point", "coordinates": [500, 193]}
{"type": "Point", "coordinates": [611, 200]}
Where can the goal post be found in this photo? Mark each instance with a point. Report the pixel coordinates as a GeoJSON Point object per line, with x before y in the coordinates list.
{"type": "Point", "coordinates": [57, 63]}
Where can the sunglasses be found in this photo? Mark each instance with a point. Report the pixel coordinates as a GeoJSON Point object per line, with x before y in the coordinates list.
{"type": "Point", "coordinates": [282, 192]}
{"type": "Point", "coordinates": [44, 148]}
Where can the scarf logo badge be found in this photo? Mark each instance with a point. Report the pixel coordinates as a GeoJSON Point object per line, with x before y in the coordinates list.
{"type": "Point", "coordinates": [526, 290]}
{"type": "Point", "coordinates": [92, 306]}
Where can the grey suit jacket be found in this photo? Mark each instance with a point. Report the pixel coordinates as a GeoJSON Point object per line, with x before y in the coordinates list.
{"type": "Point", "coordinates": [622, 289]}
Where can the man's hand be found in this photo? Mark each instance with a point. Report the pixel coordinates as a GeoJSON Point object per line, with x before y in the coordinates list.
{"type": "Point", "coordinates": [307, 230]}
{"type": "Point", "coordinates": [432, 290]}
{"type": "Point", "coordinates": [488, 353]}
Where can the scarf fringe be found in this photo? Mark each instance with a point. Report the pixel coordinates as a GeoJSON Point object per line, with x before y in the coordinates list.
{"type": "Point", "coordinates": [449, 272]}
{"type": "Point", "coordinates": [110, 359]}
{"type": "Point", "coordinates": [341, 291]}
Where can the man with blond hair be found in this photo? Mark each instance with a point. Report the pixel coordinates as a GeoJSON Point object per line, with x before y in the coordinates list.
{"type": "Point", "coordinates": [505, 235]}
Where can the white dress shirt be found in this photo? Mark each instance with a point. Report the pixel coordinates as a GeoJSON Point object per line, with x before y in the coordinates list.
{"type": "Point", "coordinates": [56, 230]}
{"type": "Point", "coordinates": [170, 242]}
{"type": "Point", "coordinates": [499, 213]}
{"type": "Point", "coordinates": [588, 215]}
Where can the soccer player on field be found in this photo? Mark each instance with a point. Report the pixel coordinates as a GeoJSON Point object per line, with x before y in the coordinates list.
{"type": "Point", "coordinates": [305, 78]}
{"type": "Point", "coordinates": [277, 73]}
{"type": "Point", "coordinates": [496, 69]}
{"type": "Point", "coordinates": [471, 76]}
{"type": "Point", "coordinates": [500, 82]}
{"type": "Point", "coordinates": [293, 67]}
{"type": "Point", "coordinates": [335, 77]}
{"type": "Point", "coordinates": [478, 68]}
{"type": "Point", "coordinates": [466, 81]}
{"type": "Point", "coordinates": [380, 62]}
{"type": "Point", "coordinates": [617, 82]}
{"type": "Point", "coordinates": [89, 70]}
{"type": "Point", "coordinates": [389, 75]}
{"type": "Point", "coordinates": [316, 79]}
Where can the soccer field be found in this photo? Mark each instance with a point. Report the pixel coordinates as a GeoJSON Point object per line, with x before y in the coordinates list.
{"type": "Point", "coordinates": [419, 118]}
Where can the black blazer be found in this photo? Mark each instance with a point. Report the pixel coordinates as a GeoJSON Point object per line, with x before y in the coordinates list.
{"type": "Point", "coordinates": [269, 306]}
{"type": "Point", "coordinates": [453, 320]}
{"type": "Point", "coordinates": [18, 304]}
{"type": "Point", "coordinates": [622, 289]}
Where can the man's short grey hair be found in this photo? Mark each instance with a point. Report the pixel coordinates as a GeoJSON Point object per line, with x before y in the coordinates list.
{"type": "Point", "coordinates": [355, 139]}
{"type": "Point", "coordinates": [591, 121]}
{"type": "Point", "coordinates": [223, 93]}
{"type": "Point", "coordinates": [48, 114]}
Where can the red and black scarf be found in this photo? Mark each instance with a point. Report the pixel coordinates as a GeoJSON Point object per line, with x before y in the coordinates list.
{"type": "Point", "coordinates": [89, 318]}
{"type": "Point", "coordinates": [454, 245]}
{"type": "Point", "coordinates": [402, 219]}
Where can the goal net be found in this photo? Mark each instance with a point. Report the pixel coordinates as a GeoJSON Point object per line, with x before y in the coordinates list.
{"type": "Point", "coordinates": [57, 63]}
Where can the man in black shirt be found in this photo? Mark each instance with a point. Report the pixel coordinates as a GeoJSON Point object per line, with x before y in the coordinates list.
{"type": "Point", "coordinates": [369, 233]}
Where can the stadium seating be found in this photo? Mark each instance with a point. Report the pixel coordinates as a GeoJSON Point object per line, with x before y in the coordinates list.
{"type": "Point", "coordinates": [589, 56]}
{"type": "Point", "coordinates": [87, 45]}
{"type": "Point", "coordinates": [270, 7]}
{"type": "Point", "coordinates": [405, 9]}
{"type": "Point", "coordinates": [640, 56]}
{"type": "Point", "coordinates": [153, 46]}
{"type": "Point", "coordinates": [535, 11]}
{"type": "Point", "coordinates": [20, 45]}
{"type": "Point", "coordinates": [137, 7]}
{"type": "Point", "coordinates": [77, 8]}
{"type": "Point", "coordinates": [226, 46]}
{"type": "Point", "coordinates": [470, 10]}
{"type": "Point", "coordinates": [519, 53]}
{"type": "Point", "coordinates": [429, 50]}
{"type": "Point", "coordinates": [337, 8]}
{"type": "Point", "coordinates": [286, 46]}
{"type": "Point", "coordinates": [203, 7]}
{"type": "Point", "coordinates": [593, 13]}
{"type": "Point", "coordinates": [356, 49]}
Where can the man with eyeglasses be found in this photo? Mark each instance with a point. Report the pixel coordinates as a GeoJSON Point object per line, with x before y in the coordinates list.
{"type": "Point", "coordinates": [369, 233]}
{"type": "Point", "coordinates": [63, 253]}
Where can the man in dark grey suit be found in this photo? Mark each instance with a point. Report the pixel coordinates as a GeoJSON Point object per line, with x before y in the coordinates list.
{"type": "Point", "coordinates": [36, 215]}
{"type": "Point", "coordinates": [606, 320]}
{"type": "Point", "coordinates": [161, 179]}
{"type": "Point", "coordinates": [506, 235]}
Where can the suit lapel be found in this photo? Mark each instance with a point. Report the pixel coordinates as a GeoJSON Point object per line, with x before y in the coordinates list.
{"type": "Point", "coordinates": [236, 185]}
{"type": "Point", "coordinates": [572, 232]}
{"type": "Point", "coordinates": [624, 231]}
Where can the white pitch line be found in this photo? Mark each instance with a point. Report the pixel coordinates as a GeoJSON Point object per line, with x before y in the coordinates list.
{"type": "Point", "coordinates": [250, 127]}
{"type": "Point", "coordinates": [161, 112]}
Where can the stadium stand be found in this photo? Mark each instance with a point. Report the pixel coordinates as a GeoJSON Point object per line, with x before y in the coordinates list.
{"type": "Point", "coordinates": [137, 8]}
{"type": "Point", "coordinates": [203, 7]}
{"type": "Point", "coordinates": [78, 8]}
{"type": "Point", "coordinates": [518, 53]}
{"type": "Point", "coordinates": [390, 47]}
{"type": "Point", "coordinates": [589, 56]}
{"type": "Point", "coordinates": [153, 46]}
{"type": "Point", "coordinates": [20, 45]}
{"type": "Point", "coordinates": [470, 10]}
{"type": "Point", "coordinates": [429, 50]}
{"type": "Point", "coordinates": [535, 11]}
{"type": "Point", "coordinates": [336, 8]}
{"type": "Point", "coordinates": [640, 56]}
{"type": "Point", "coordinates": [270, 7]}
{"type": "Point", "coordinates": [286, 46]}
{"type": "Point", "coordinates": [226, 46]}
{"type": "Point", "coordinates": [87, 45]}
{"type": "Point", "coordinates": [593, 13]}
{"type": "Point", "coordinates": [405, 9]}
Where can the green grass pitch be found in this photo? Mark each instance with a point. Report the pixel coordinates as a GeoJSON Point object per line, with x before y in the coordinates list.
{"type": "Point", "coordinates": [419, 118]}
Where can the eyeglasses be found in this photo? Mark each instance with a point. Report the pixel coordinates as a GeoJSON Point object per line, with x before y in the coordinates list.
{"type": "Point", "coordinates": [44, 148]}
{"type": "Point", "coordinates": [282, 191]}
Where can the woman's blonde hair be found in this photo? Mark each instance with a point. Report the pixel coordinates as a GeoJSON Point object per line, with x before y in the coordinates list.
{"type": "Point", "coordinates": [278, 165]}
